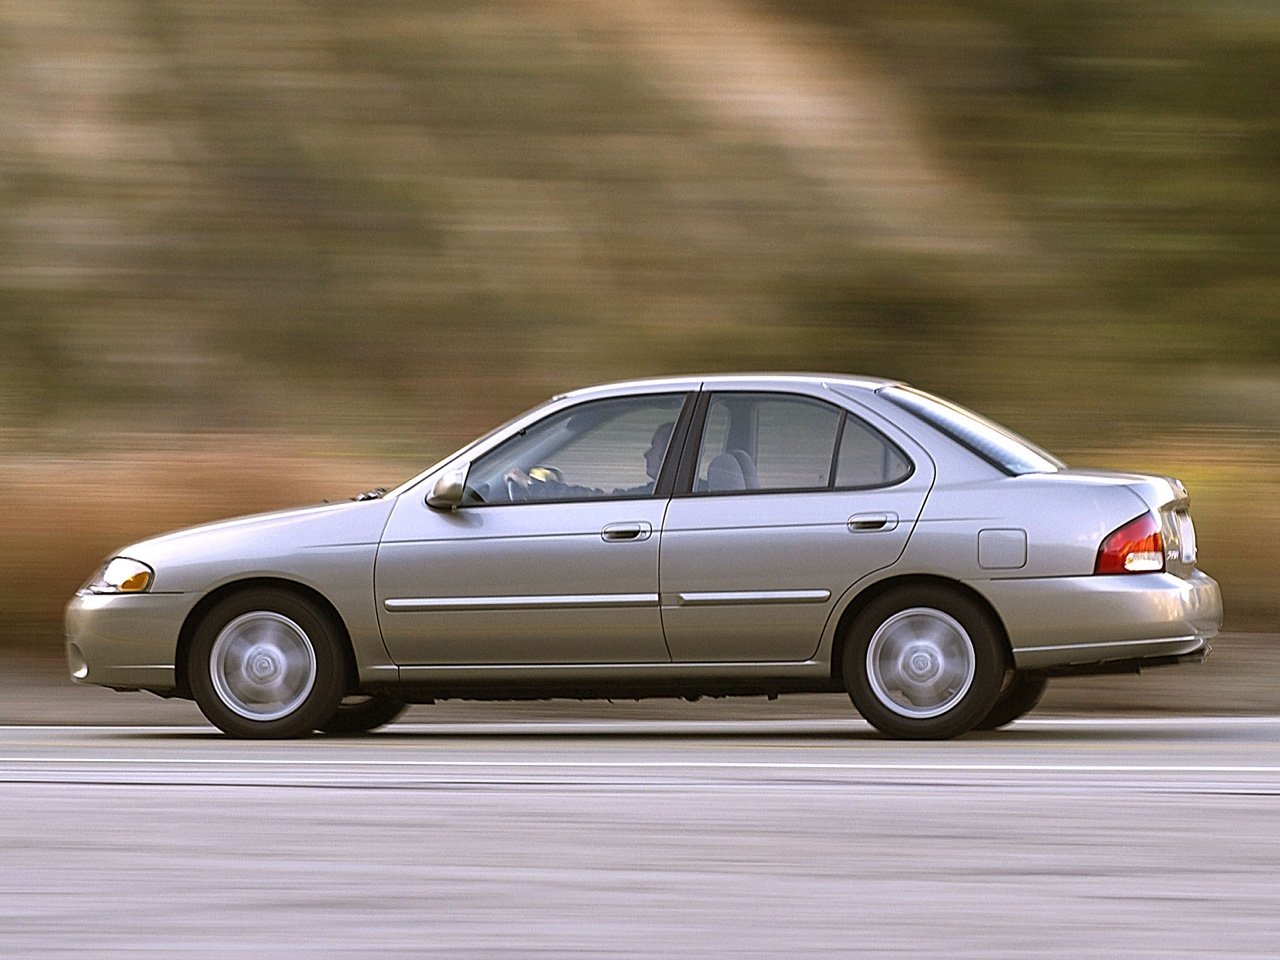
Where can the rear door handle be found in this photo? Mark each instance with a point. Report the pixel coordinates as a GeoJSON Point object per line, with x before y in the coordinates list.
{"type": "Point", "coordinates": [639, 530]}
{"type": "Point", "coordinates": [870, 522]}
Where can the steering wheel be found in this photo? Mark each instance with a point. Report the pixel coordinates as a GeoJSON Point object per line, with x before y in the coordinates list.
{"type": "Point", "coordinates": [516, 492]}
{"type": "Point", "coordinates": [541, 474]}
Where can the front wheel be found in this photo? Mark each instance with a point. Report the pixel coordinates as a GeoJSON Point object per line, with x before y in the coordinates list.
{"type": "Point", "coordinates": [265, 664]}
{"type": "Point", "coordinates": [924, 663]}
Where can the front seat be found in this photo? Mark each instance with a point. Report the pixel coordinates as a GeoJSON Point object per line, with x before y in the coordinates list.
{"type": "Point", "coordinates": [748, 466]}
{"type": "Point", "coordinates": [724, 473]}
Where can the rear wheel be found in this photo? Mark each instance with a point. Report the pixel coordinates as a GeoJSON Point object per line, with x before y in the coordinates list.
{"type": "Point", "coordinates": [924, 663]}
{"type": "Point", "coordinates": [360, 714]}
{"type": "Point", "coordinates": [1016, 700]}
{"type": "Point", "coordinates": [265, 664]}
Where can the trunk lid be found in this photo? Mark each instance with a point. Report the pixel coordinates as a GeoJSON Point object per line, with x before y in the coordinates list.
{"type": "Point", "coordinates": [1167, 499]}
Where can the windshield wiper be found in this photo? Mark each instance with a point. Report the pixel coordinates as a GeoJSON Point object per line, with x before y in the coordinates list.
{"type": "Point", "coordinates": [377, 493]}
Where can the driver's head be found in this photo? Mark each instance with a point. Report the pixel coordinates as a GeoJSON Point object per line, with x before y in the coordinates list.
{"type": "Point", "coordinates": [657, 447]}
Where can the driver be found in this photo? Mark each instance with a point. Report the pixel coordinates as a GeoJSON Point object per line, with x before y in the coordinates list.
{"type": "Point", "coordinates": [546, 485]}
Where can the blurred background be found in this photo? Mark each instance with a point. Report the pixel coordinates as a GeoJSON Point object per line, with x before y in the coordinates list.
{"type": "Point", "coordinates": [262, 253]}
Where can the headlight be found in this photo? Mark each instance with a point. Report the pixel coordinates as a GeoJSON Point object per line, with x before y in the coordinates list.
{"type": "Point", "coordinates": [121, 575]}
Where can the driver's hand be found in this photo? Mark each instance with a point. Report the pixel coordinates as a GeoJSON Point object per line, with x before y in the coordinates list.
{"type": "Point", "coordinates": [516, 475]}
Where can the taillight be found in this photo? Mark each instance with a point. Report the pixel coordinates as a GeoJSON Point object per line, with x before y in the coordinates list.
{"type": "Point", "coordinates": [1137, 547]}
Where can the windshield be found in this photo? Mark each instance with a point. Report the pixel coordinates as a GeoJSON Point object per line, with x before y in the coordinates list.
{"type": "Point", "coordinates": [995, 444]}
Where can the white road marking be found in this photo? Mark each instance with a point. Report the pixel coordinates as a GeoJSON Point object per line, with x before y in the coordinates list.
{"type": "Point", "coordinates": [551, 764]}
{"type": "Point", "coordinates": [1147, 721]}
{"type": "Point", "coordinates": [101, 728]}
{"type": "Point", "coordinates": [97, 752]}
{"type": "Point", "coordinates": [708, 726]}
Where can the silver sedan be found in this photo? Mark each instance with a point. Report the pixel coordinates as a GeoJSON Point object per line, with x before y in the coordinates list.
{"type": "Point", "coordinates": [700, 536]}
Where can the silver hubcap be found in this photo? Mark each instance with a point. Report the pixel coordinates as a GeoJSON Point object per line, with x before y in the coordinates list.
{"type": "Point", "coordinates": [262, 665]}
{"type": "Point", "coordinates": [920, 662]}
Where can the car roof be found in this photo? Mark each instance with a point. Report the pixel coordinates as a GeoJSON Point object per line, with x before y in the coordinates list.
{"type": "Point", "coordinates": [738, 381]}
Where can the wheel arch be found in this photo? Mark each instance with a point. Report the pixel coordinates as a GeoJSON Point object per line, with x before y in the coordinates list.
{"type": "Point", "coordinates": [300, 590]}
{"type": "Point", "coordinates": [905, 582]}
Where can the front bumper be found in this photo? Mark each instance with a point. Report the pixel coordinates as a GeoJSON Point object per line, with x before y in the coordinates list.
{"type": "Point", "coordinates": [1069, 621]}
{"type": "Point", "coordinates": [125, 641]}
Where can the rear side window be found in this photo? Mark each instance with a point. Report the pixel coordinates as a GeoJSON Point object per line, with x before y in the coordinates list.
{"type": "Point", "coordinates": [774, 442]}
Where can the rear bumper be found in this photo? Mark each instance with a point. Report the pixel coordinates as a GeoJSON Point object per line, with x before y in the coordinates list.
{"type": "Point", "coordinates": [1069, 621]}
{"type": "Point", "coordinates": [1134, 665]}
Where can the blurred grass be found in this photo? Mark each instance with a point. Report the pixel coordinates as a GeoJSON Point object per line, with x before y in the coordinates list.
{"type": "Point", "coordinates": [1233, 478]}
{"type": "Point", "coordinates": [63, 515]}
{"type": "Point", "coordinates": [253, 253]}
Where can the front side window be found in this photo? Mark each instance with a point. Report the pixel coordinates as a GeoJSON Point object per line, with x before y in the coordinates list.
{"type": "Point", "coordinates": [601, 449]}
{"type": "Point", "coordinates": [776, 442]}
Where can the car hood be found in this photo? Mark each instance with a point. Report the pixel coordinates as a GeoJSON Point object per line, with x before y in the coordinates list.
{"type": "Point", "coordinates": [266, 544]}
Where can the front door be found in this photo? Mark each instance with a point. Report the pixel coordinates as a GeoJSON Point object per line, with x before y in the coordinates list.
{"type": "Point", "coordinates": [553, 556]}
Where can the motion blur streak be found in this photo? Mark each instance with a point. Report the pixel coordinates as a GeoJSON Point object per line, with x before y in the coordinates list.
{"type": "Point", "coordinates": [241, 237]}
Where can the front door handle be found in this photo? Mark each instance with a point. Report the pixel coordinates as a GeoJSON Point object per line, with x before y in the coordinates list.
{"type": "Point", "coordinates": [638, 530]}
{"type": "Point", "coordinates": [870, 522]}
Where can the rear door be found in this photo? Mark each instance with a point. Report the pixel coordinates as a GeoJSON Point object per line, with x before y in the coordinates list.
{"type": "Point", "coordinates": [786, 499]}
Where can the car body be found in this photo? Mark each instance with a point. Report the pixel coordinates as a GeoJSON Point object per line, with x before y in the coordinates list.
{"type": "Point", "coordinates": [691, 536]}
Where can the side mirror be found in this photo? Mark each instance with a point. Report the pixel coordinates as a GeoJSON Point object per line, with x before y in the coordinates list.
{"type": "Point", "coordinates": [447, 493]}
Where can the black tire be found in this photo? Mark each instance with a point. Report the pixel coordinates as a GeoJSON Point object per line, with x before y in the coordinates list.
{"type": "Point", "coordinates": [924, 663]}
{"type": "Point", "coordinates": [266, 664]}
{"type": "Point", "coordinates": [360, 714]}
{"type": "Point", "coordinates": [1016, 700]}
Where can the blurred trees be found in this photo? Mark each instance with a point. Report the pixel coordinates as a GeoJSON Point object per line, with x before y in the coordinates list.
{"type": "Point", "coordinates": [301, 214]}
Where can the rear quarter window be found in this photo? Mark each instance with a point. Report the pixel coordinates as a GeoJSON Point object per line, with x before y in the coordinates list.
{"type": "Point", "coordinates": [997, 445]}
{"type": "Point", "coordinates": [867, 459]}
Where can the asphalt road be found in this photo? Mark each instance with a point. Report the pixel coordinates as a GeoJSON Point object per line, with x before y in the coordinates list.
{"type": "Point", "coordinates": [1060, 837]}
